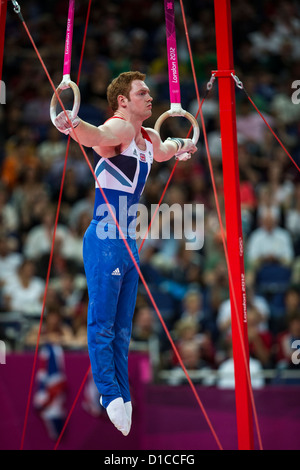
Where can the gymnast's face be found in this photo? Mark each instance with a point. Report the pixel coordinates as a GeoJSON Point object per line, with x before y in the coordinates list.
{"type": "Point", "coordinates": [140, 102]}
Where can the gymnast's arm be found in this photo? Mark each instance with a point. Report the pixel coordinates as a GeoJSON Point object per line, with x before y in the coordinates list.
{"type": "Point", "coordinates": [164, 151]}
{"type": "Point", "coordinates": [110, 134]}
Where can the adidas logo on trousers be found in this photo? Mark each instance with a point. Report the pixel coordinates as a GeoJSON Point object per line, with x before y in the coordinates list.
{"type": "Point", "coordinates": [116, 272]}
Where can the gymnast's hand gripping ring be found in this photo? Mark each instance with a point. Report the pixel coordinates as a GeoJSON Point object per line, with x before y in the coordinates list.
{"type": "Point", "coordinates": [63, 86]}
{"type": "Point", "coordinates": [176, 110]}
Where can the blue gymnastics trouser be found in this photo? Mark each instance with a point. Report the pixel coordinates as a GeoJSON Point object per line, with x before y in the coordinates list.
{"type": "Point", "coordinates": [112, 281]}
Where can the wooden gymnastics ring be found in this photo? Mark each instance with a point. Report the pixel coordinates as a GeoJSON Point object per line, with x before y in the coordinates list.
{"type": "Point", "coordinates": [63, 86]}
{"type": "Point", "coordinates": [178, 111]}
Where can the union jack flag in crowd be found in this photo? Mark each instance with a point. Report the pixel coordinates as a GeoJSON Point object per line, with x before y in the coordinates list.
{"type": "Point", "coordinates": [50, 396]}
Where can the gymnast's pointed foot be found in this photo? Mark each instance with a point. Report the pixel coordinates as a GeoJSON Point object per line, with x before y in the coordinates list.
{"type": "Point", "coordinates": [117, 414]}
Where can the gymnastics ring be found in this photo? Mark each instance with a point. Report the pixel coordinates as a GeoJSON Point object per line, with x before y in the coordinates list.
{"type": "Point", "coordinates": [178, 111]}
{"type": "Point", "coordinates": [63, 86]}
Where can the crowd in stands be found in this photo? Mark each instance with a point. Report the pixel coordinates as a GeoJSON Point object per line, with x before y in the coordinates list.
{"type": "Point", "coordinates": [190, 287]}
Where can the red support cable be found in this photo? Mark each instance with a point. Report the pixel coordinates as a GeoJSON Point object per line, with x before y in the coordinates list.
{"type": "Point", "coordinates": [233, 221]}
{"type": "Point", "coordinates": [3, 8]}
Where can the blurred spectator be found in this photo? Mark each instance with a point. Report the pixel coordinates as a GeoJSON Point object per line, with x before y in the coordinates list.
{"type": "Point", "coordinates": [188, 329]}
{"type": "Point", "coordinates": [78, 172]}
{"type": "Point", "coordinates": [38, 244]}
{"type": "Point", "coordinates": [189, 270]}
{"type": "Point", "coordinates": [193, 309]}
{"type": "Point", "coordinates": [79, 320]}
{"type": "Point", "coordinates": [286, 19]}
{"type": "Point", "coordinates": [167, 228]}
{"type": "Point", "coordinates": [37, 109]}
{"type": "Point", "coordinates": [52, 148]}
{"type": "Point", "coordinates": [190, 354]}
{"type": "Point", "coordinates": [255, 303]}
{"type": "Point", "coordinates": [266, 41]}
{"type": "Point", "coordinates": [53, 299]}
{"type": "Point", "coordinates": [72, 192]}
{"type": "Point", "coordinates": [68, 290]}
{"type": "Point", "coordinates": [217, 292]}
{"type": "Point", "coordinates": [225, 377]}
{"type": "Point", "coordinates": [73, 250]}
{"type": "Point", "coordinates": [288, 342]}
{"type": "Point", "coordinates": [281, 188]}
{"type": "Point", "coordinates": [20, 153]}
{"type": "Point", "coordinates": [10, 260]}
{"type": "Point", "coordinates": [146, 331]}
{"type": "Point", "coordinates": [266, 203]}
{"type": "Point", "coordinates": [8, 214]}
{"type": "Point", "coordinates": [210, 108]}
{"type": "Point", "coordinates": [24, 291]}
{"type": "Point", "coordinates": [250, 125]}
{"type": "Point", "coordinates": [260, 342]}
{"type": "Point", "coordinates": [84, 205]}
{"type": "Point", "coordinates": [248, 202]}
{"type": "Point", "coordinates": [270, 255]}
{"type": "Point", "coordinates": [54, 331]}
{"type": "Point", "coordinates": [144, 326]}
{"type": "Point", "coordinates": [214, 261]}
{"type": "Point", "coordinates": [31, 199]}
{"type": "Point", "coordinates": [269, 243]}
{"type": "Point", "coordinates": [293, 220]}
{"type": "Point", "coordinates": [97, 85]}
{"type": "Point", "coordinates": [292, 301]}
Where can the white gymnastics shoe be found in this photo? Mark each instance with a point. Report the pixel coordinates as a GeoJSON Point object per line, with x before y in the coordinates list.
{"type": "Point", "coordinates": [117, 414]}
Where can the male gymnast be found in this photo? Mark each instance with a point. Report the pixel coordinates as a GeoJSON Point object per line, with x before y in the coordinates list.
{"type": "Point", "coordinates": [124, 151]}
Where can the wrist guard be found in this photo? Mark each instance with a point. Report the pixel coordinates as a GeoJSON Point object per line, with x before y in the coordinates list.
{"type": "Point", "coordinates": [179, 142]}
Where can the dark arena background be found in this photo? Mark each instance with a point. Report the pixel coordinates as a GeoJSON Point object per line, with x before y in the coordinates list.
{"type": "Point", "coordinates": [216, 316]}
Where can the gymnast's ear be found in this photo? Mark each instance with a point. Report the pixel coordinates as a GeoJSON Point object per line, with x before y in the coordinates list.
{"type": "Point", "coordinates": [122, 101]}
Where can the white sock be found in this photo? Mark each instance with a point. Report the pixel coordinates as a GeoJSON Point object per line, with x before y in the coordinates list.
{"type": "Point", "coordinates": [118, 416]}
